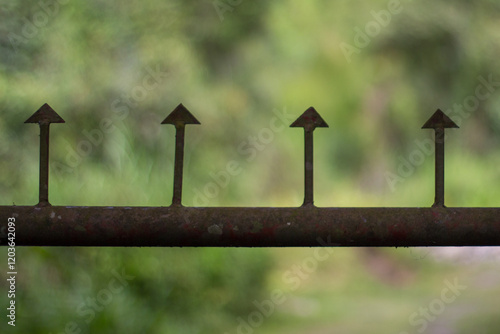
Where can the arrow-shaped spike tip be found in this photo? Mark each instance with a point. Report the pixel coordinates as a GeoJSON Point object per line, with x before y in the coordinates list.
{"type": "Point", "coordinates": [180, 115]}
{"type": "Point", "coordinates": [45, 115]}
{"type": "Point", "coordinates": [310, 118]}
{"type": "Point", "coordinates": [439, 120]}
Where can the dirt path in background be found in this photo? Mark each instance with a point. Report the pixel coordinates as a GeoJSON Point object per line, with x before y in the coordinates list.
{"type": "Point", "coordinates": [450, 321]}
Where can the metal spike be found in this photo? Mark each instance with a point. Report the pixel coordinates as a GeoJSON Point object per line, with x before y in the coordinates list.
{"type": "Point", "coordinates": [44, 117]}
{"type": "Point", "coordinates": [179, 117]}
{"type": "Point", "coordinates": [309, 120]}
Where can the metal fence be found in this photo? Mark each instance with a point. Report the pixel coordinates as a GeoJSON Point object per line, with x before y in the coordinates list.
{"type": "Point", "coordinates": [307, 225]}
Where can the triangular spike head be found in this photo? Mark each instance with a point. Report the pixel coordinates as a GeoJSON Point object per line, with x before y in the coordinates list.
{"type": "Point", "coordinates": [310, 118]}
{"type": "Point", "coordinates": [180, 115]}
{"type": "Point", "coordinates": [439, 120]}
{"type": "Point", "coordinates": [45, 115]}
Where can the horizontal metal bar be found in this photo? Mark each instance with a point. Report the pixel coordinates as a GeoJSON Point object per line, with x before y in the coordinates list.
{"type": "Point", "coordinates": [251, 227]}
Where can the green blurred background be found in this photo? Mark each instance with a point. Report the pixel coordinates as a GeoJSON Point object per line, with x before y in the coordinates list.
{"type": "Point", "coordinates": [374, 70]}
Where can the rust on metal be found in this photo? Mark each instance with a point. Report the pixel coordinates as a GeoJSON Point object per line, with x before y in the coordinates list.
{"type": "Point", "coordinates": [309, 120]}
{"type": "Point", "coordinates": [308, 225]}
{"type": "Point", "coordinates": [44, 117]}
{"type": "Point", "coordinates": [179, 117]}
{"type": "Point", "coordinates": [439, 121]}
{"type": "Point", "coordinates": [252, 227]}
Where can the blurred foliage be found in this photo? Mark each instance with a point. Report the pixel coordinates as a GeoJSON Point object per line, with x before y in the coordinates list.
{"type": "Point", "coordinates": [234, 64]}
{"type": "Point", "coordinates": [238, 66]}
{"type": "Point", "coordinates": [162, 291]}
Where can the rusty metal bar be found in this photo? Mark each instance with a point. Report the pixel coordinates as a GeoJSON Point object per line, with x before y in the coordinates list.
{"type": "Point", "coordinates": [252, 227]}
{"type": "Point", "coordinates": [46, 225]}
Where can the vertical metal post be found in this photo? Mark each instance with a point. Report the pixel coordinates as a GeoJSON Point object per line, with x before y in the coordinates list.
{"type": "Point", "coordinates": [308, 167]}
{"type": "Point", "coordinates": [43, 197]}
{"type": "Point", "coordinates": [309, 120]}
{"type": "Point", "coordinates": [439, 121]}
{"type": "Point", "coordinates": [439, 164]}
{"type": "Point", "coordinates": [179, 117]}
{"type": "Point", "coordinates": [44, 117]}
{"type": "Point", "coordinates": [179, 163]}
